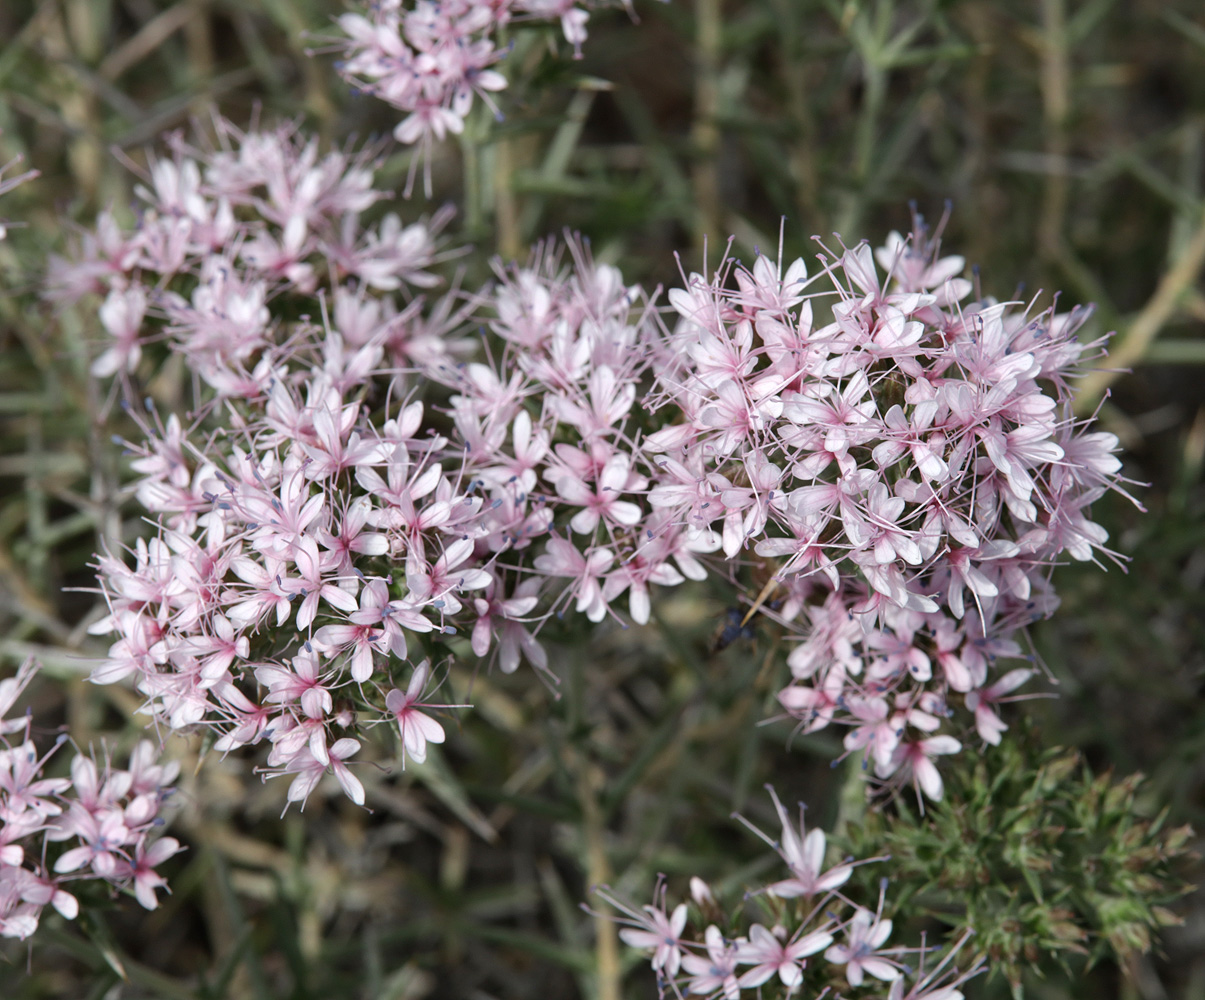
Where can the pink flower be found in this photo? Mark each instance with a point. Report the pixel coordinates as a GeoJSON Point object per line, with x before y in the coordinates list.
{"type": "Point", "coordinates": [865, 934]}
{"type": "Point", "coordinates": [397, 495]}
{"type": "Point", "coordinates": [877, 731]}
{"type": "Point", "coordinates": [10, 691]}
{"type": "Point", "coordinates": [530, 447]}
{"type": "Point", "coordinates": [514, 638]}
{"type": "Point", "coordinates": [981, 701]}
{"type": "Point", "coordinates": [268, 593]}
{"type": "Point", "coordinates": [735, 418]}
{"type": "Point", "coordinates": [606, 401]}
{"type": "Point", "coordinates": [714, 975]}
{"type": "Point", "coordinates": [749, 508]}
{"type": "Point", "coordinates": [814, 706]}
{"type": "Point", "coordinates": [602, 502]}
{"type": "Point", "coordinates": [309, 770]}
{"type": "Point", "coordinates": [303, 684]}
{"type": "Point", "coordinates": [311, 584]}
{"type": "Point", "coordinates": [562, 558]}
{"type": "Point", "coordinates": [142, 869]}
{"type": "Point", "coordinates": [103, 835]}
{"type": "Point", "coordinates": [773, 954]}
{"type": "Point", "coordinates": [121, 315]}
{"type": "Point", "coordinates": [804, 855]}
{"type": "Point", "coordinates": [250, 721]}
{"type": "Point", "coordinates": [416, 728]}
{"type": "Point", "coordinates": [915, 759]}
{"type": "Point", "coordinates": [846, 416]}
{"type": "Point", "coordinates": [652, 929]}
{"type": "Point", "coordinates": [283, 520]}
{"type": "Point", "coordinates": [337, 446]}
{"type": "Point", "coordinates": [635, 575]}
{"type": "Point", "coordinates": [439, 583]}
{"type": "Point", "coordinates": [219, 650]}
{"type": "Point", "coordinates": [22, 786]}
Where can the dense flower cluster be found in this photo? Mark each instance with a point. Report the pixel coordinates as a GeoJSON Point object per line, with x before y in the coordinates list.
{"type": "Point", "coordinates": [818, 937]}
{"type": "Point", "coordinates": [906, 474]}
{"type": "Point", "coordinates": [267, 518]}
{"type": "Point", "coordinates": [103, 816]}
{"type": "Point", "coordinates": [430, 60]}
{"type": "Point", "coordinates": [309, 545]}
{"type": "Point", "coordinates": [313, 525]}
{"type": "Point", "coordinates": [225, 230]}
{"type": "Point", "coordinates": [905, 471]}
{"type": "Point", "coordinates": [909, 471]}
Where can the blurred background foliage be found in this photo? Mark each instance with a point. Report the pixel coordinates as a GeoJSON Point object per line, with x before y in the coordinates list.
{"type": "Point", "coordinates": [1069, 138]}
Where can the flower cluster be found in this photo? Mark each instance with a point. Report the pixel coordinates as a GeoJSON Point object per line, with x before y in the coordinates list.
{"type": "Point", "coordinates": [818, 937]}
{"type": "Point", "coordinates": [311, 544]}
{"type": "Point", "coordinates": [105, 817]}
{"type": "Point", "coordinates": [226, 229]}
{"type": "Point", "coordinates": [907, 472]}
{"type": "Point", "coordinates": [315, 528]}
{"type": "Point", "coordinates": [430, 60]}
{"type": "Point", "coordinates": [264, 518]}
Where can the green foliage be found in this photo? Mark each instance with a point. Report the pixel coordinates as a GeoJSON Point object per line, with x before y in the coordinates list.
{"type": "Point", "coordinates": [1038, 856]}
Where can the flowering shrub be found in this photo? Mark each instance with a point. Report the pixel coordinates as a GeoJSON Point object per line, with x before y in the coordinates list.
{"type": "Point", "coordinates": [908, 470]}
{"type": "Point", "coordinates": [383, 467]}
